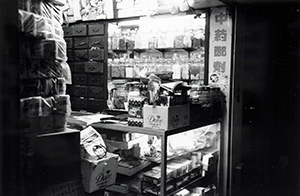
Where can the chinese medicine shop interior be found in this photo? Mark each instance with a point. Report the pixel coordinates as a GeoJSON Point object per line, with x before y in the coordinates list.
{"type": "Point", "coordinates": [136, 97]}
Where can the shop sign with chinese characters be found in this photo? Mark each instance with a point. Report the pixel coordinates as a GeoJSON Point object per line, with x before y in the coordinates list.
{"type": "Point", "coordinates": [220, 48]}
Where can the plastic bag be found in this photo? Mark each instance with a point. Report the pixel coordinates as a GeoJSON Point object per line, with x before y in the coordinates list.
{"type": "Point", "coordinates": [66, 71]}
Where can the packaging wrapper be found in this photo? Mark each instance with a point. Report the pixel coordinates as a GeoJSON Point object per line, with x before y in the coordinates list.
{"type": "Point", "coordinates": [30, 88]}
{"type": "Point", "coordinates": [33, 69]}
{"type": "Point", "coordinates": [40, 26]}
{"type": "Point", "coordinates": [98, 174]}
{"type": "Point", "coordinates": [27, 22]}
{"type": "Point", "coordinates": [59, 2]}
{"type": "Point", "coordinates": [23, 68]}
{"type": "Point", "coordinates": [90, 140]}
{"type": "Point", "coordinates": [46, 124]}
{"type": "Point", "coordinates": [62, 104]}
{"type": "Point", "coordinates": [55, 49]}
{"type": "Point", "coordinates": [30, 125]}
{"type": "Point", "coordinates": [58, 30]}
{"type": "Point", "coordinates": [41, 23]}
{"type": "Point", "coordinates": [36, 49]}
{"type": "Point", "coordinates": [24, 5]}
{"type": "Point", "coordinates": [43, 87]}
{"type": "Point", "coordinates": [66, 72]}
{"type": "Point", "coordinates": [59, 122]}
{"type": "Point", "coordinates": [52, 10]}
{"type": "Point", "coordinates": [46, 9]}
{"type": "Point", "coordinates": [46, 120]}
{"type": "Point", "coordinates": [49, 49]}
{"type": "Point", "coordinates": [44, 27]}
{"type": "Point", "coordinates": [49, 28]}
{"type": "Point", "coordinates": [47, 106]}
{"type": "Point", "coordinates": [31, 111]}
{"type": "Point", "coordinates": [47, 87]}
{"type": "Point", "coordinates": [60, 86]}
{"type": "Point", "coordinates": [45, 115]}
{"type": "Point", "coordinates": [118, 94]}
{"type": "Point", "coordinates": [36, 7]}
{"type": "Point", "coordinates": [135, 106]}
{"type": "Point", "coordinates": [31, 107]}
{"type": "Point", "coordinates": [50, 69]}
{"type": "Point", "coordinates": [24, 48]}
{"type": "Point", "coordinates": [61, 50]}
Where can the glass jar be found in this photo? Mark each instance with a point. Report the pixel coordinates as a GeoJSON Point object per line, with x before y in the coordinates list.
{"type": "Point", "coordinates": [201, 100]}
{"type": "Point", "coordinates": [218, 102]}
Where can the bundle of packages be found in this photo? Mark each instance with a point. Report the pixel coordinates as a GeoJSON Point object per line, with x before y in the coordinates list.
{"type": "Point", "coordinates": [98, 167]}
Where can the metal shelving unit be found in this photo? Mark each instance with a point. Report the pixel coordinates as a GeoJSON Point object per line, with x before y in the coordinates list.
{"type": "Point", "coordinates": [157, 132]}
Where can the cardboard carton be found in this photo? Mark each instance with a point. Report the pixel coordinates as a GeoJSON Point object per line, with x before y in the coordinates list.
{"type": "Point", "coordinates": [166, 117]}
{"type": "Point", "coordinates": [98, 174]}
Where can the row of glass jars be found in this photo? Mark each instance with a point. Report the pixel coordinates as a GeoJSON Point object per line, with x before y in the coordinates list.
{"type": "Point", "coordinates": [133, 39]}
{"type": "Point", "coordinates": [183, 69]}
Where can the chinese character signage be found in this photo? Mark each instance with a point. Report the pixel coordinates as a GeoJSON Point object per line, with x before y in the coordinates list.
{"type": "Point", "coordinates": [220, 48]}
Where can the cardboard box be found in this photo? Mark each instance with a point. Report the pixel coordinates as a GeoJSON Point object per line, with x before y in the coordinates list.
{"type": "Point", "coordinates": [113, 145]}
{"type": "Point", "coordinates": [166, 118]}
{"type": "Point", "coordinates": [131, 171]}
{"type": "Point", "coordinates": [99, 174]}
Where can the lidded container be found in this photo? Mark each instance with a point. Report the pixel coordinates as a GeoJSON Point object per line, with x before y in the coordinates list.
{"type": "Point", "coordinates": [201, 100]}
